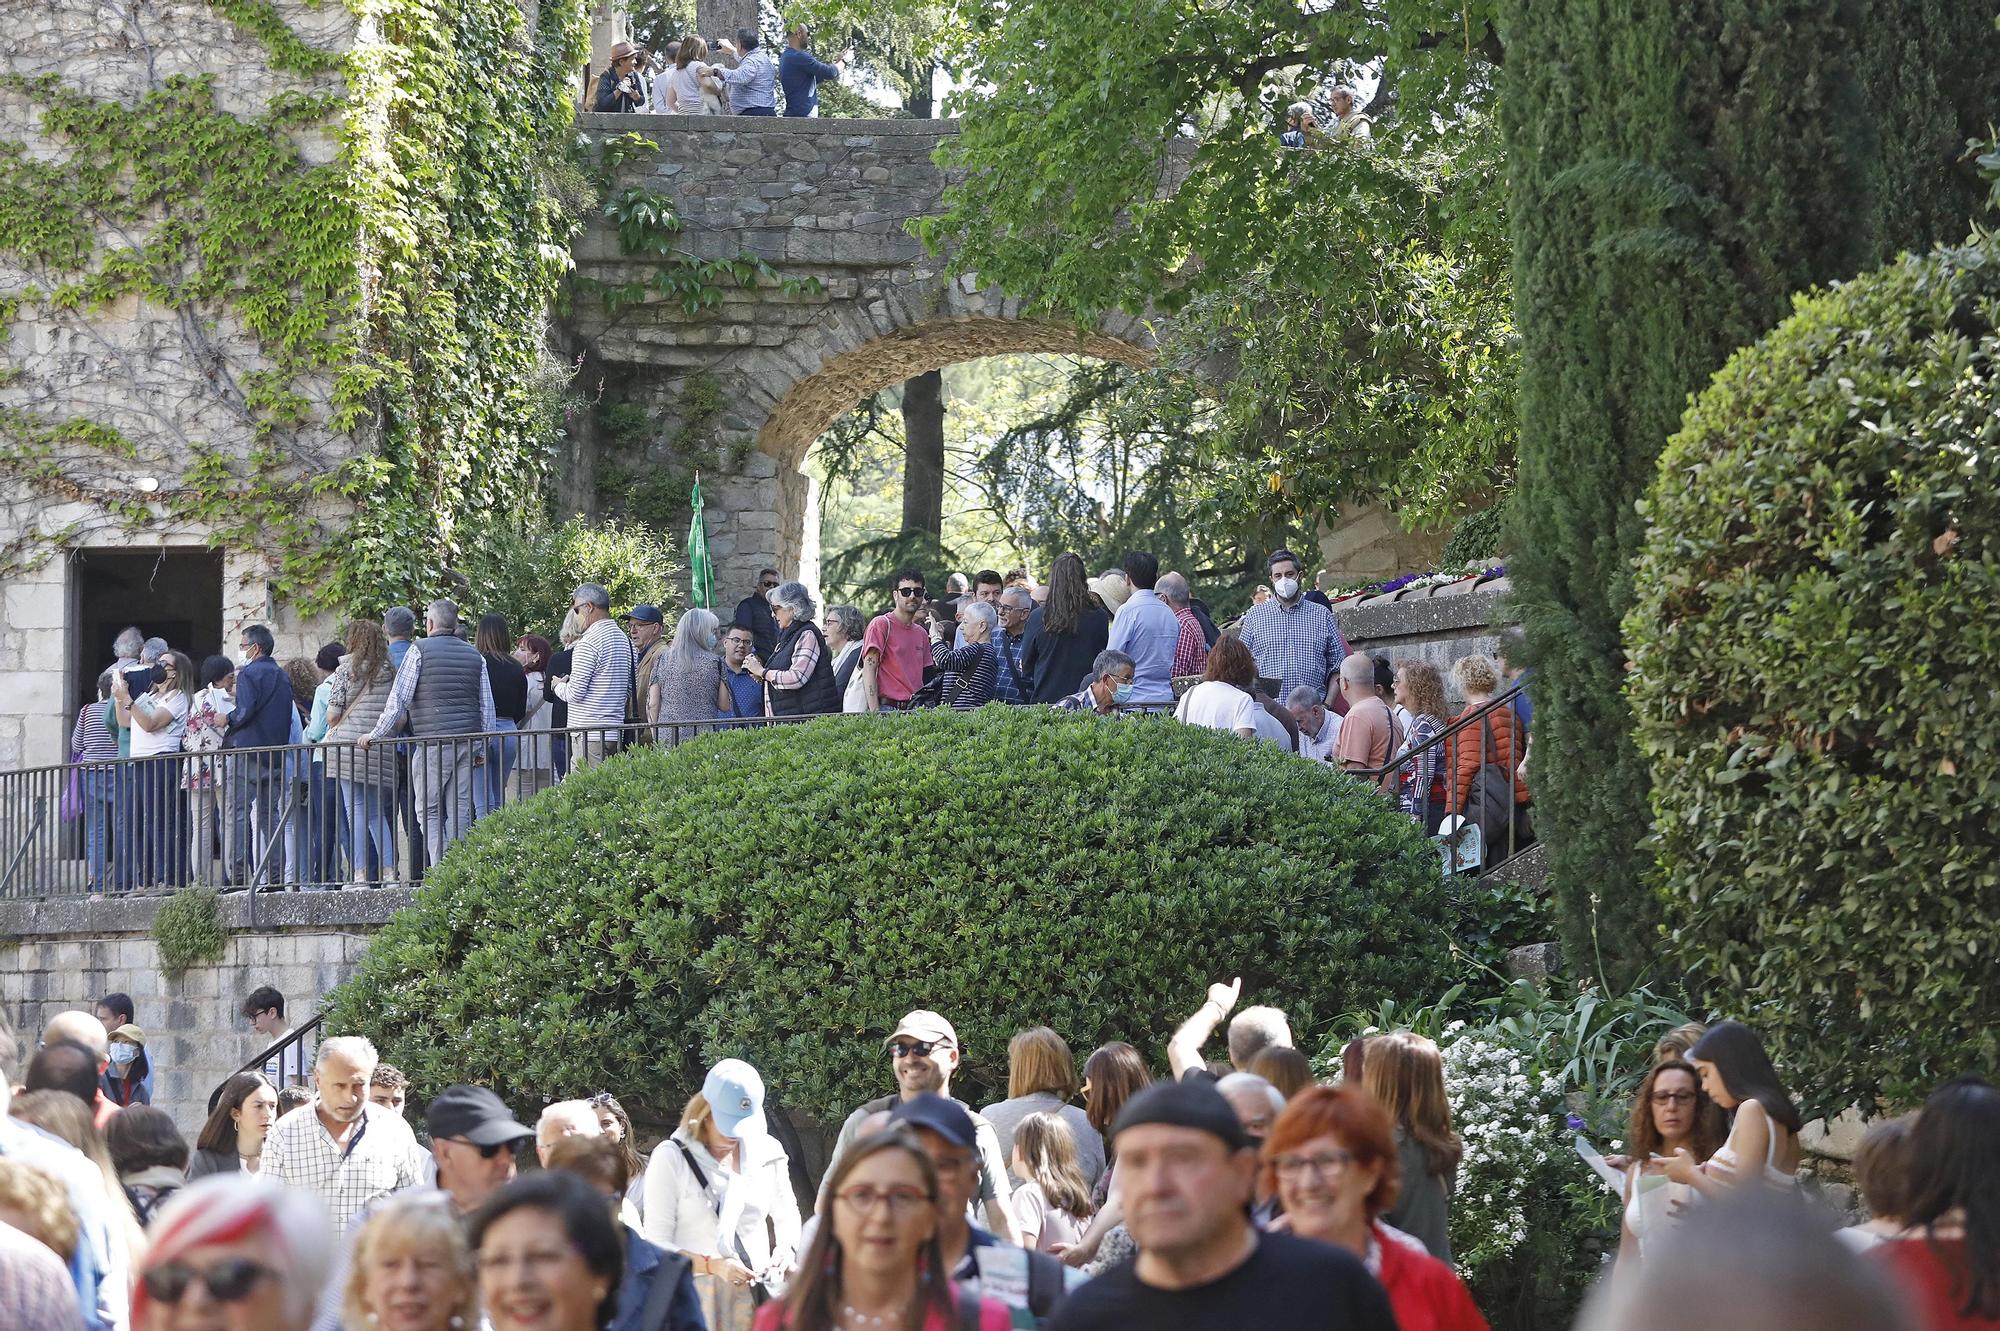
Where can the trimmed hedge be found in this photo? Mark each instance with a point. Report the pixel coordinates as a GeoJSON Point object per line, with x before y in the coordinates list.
{"type": "Point", "coordinates": [1815, 644]}
{"type": "Point", "coordinates": [785, 893]}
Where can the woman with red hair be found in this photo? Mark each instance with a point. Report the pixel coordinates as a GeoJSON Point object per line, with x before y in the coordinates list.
{"type": "Point", "coordinates": [1332, 1158]}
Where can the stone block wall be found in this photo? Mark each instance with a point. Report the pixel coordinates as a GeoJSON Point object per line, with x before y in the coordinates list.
{"type": "Point", "coordinates": [68, 954]}
{"type": "Point", "coordinates": [1434, 624]}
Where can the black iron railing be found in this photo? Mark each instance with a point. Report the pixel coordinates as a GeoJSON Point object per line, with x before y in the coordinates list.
{"type": "Point", "coordinates": [1468, 771]}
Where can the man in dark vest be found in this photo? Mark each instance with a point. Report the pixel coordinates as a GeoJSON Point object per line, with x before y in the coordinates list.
{"type": "Point", "coordinates": [800, 671]}
{"type": "Point", "coordinates": [441, 689]}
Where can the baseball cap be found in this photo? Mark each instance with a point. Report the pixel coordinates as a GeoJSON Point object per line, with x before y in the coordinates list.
{"type": "Point", "coordinates": [947, 1118]}
{"type": "Point", "coordinates": [474, 1114]}
{"type": "Point", "coordinates": [735, 1095]}
{"type": "Point", "coordinates": [923, 1024]}
{"type": "Point", "coordinates": [129, 1032]}
{"type": "Point", "coordinates": [645, 614]}
{"type": "Point", "coordinates": [1184, 1104]}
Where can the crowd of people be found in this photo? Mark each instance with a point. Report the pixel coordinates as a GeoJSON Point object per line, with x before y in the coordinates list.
{"type": "Point", "coordinates": [715, 76]}
{"type": "Point", "coordinates": [342, 767]}
{"type": "Point", "coordinates": [1245, 1192]}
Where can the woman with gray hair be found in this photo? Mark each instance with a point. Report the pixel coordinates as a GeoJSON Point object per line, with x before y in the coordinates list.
{"type": "Point", "coordinates": [687, 682]}
{"type": "Point", "coordinates": [844, 628]}
{"type": "Point", "coordinates": [800, 672]}
{"type": "Point", "coordinates": [970, 671]}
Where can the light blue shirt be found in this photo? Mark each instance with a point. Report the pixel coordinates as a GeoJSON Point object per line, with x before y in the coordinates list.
{"type": "Point", "coordinates": [100, 1284]}
{"type": "Point", "coordinates": [1147, 630]}
{"type": "Point", "coordinates": [316, 727]}
{"type": "Point", "coordinates": [752, 83]}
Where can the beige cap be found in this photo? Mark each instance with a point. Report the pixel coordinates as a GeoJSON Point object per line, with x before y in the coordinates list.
{"type": "Point", "coordinates": [129, 1032]}
{"type": "Point", "coordinates": [1112, 589]}
{"type": "Point", "coordinates": [924, 1024]}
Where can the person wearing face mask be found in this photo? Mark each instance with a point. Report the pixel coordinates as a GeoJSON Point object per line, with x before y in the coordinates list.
{"type": "Point", "coordinates": [1109, 686]}
{"type": "Point", "coordinates": [262, 720]}
{"type": "Point", "coordinates": [1293, 639]}
{"type": "Point", "coordinates": [124, 1081]}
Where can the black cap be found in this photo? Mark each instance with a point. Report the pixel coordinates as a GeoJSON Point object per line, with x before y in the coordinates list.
{"type": "Point", "coordinates": [473, 1114]}
{"type": "Point", "coordinates": [946, 1117]}
{"type": "Point", "coordinates": [1184, 1104]}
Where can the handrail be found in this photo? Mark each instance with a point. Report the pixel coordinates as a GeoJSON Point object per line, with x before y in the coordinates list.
{"type": "Point", "coordinates": [1445, 742]}
{"type": "Point", "coordinates": [292, 1037]}
{"type": "Point", "coordinates": [1457, 726]}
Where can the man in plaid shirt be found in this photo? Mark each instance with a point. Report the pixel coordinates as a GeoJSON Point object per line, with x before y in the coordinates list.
{"type": "Point", "coordinates": [1191, 652]}
{"type": "Point", "coordinates": [1295, 641]}
{"type": "Point", "coordinates": [342, 1148]}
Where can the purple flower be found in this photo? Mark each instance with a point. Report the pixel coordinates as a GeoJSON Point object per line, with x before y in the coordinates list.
{"type": "Point", "coordinates": [1395, 584]}
{"type": "Point", "coordinates": [1575, 1123]}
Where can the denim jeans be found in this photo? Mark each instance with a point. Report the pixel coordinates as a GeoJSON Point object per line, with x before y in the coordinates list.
{"type": "Point", "coordinates": [162, 816]}
{"type": "Point", "coordinates": [371, 836]}
{"type": "Point", "coordinates": [489, 783]}
{"type": "Point", "coordinates": [100, 787]}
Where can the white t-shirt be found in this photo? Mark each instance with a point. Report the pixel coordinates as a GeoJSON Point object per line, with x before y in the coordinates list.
{"type": "Point", "coordinates": [1269, 727]}
{"type": "Point", "coordinates": [167, 739]}
{"type": "Point", "coordinates": [1218, 706]}
{"type": "Point", "coordinates": [1033, 1215]}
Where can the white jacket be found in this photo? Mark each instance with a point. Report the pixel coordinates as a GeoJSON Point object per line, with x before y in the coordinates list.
{"type": "Point", "coordinates": [682, 1216]}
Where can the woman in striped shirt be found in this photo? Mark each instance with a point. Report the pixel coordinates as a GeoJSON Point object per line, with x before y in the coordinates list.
{"type": "Point", "coordinates": [972, 669]}
{"type": "Point", "coordinates": [1420, 691]}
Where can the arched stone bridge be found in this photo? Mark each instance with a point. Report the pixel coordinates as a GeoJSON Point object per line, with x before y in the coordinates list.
{"type": "Point", "coordinates": [827, 199]}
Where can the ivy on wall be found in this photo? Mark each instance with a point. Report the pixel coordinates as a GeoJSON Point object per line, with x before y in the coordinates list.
{"type": "Point", "coordinates": [399, 387]}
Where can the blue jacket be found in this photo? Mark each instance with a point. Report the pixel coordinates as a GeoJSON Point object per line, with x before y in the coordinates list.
{"type": "Point", "coordinates": [645, 1265]}
{"type": "Point", "coordinates": [800, 73]}
{"type": "Point", "coordinates": [264, 710]}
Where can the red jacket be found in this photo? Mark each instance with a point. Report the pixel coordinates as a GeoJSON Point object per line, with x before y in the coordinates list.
{"type": "Point", "coordinates": [1425, 1293]}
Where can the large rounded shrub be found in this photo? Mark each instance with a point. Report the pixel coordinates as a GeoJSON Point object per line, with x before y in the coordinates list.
{"type": "Point", "coordinates": [786, 893]}
{"type": "Point", "coordinates": [1816, 649]}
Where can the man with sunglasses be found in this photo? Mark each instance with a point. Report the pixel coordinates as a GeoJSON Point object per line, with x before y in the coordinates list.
{"type": "Point", "coordinates": [896, 648]}
{"type": "Point", "coordinates": [923, 1053]}
{"type": "Point", "coordinates": [754, 612]}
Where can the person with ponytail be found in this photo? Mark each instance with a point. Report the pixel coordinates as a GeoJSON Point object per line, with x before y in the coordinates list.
{"type": "Point", "coordinates": [1763, 1143]}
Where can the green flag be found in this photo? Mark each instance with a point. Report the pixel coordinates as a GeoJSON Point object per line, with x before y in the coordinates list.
{"type": "Point", "coordinates": [701, 570]}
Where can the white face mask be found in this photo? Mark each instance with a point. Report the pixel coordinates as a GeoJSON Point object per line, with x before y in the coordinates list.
{"type": "Point", "coordinates": [1286, 588]}
{"type": "Point", "coordinates": [123, 1053]}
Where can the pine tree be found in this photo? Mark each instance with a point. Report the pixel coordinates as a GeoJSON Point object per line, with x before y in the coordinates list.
{"type": "Point", "coordinates": [1676, 172]}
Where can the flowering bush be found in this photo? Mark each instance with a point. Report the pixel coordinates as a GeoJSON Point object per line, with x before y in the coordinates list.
{"type": "Point", "coordinates": [1525, 1220]}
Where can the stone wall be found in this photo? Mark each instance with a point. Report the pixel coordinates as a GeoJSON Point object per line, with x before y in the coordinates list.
{"type": "Point", "coordinates": [164, 379]}
{"type": "Point", "coordinates": [68, 954]}
{"type": "Point", "coordinates": [1434, 624]}
{"type": "Point", "coordinates": [825, 200]}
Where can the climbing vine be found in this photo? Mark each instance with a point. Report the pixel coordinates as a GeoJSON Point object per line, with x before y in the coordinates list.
{"type": "Point", "coordinates": [354, 342]}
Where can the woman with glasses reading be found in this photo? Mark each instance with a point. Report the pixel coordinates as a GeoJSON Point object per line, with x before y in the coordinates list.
{"type": "Point", "coordinates": [1332, 1158]}
{"type": "Point", "coordinates": [233, 1251]}
{"type": "Point", "coordinates": [874, 1265]}
{"type": "Point", "coordinates": [1671, 1113]}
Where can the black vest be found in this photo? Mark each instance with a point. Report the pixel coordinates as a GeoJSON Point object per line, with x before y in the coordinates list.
{"type": "Point", "coordinates": [817, 694]}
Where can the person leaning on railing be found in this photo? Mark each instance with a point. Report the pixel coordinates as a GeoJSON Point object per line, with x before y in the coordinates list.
{"type": "Point", "coordinates": [95, 748]}
{"type": "Point", "coordinates": [366, 777]}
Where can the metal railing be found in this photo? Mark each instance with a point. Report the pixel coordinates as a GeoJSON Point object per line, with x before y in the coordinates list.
{"type": "Point", "coordinates": [294, 1038]}
{"type": "Point", "coordinates": [306, 817]}
{"type": "Point", "coordinates": [1432, 783]}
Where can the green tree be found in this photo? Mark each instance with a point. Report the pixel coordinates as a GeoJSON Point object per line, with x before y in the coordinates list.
{"type": "Point", "coordinates": [1676, 172]}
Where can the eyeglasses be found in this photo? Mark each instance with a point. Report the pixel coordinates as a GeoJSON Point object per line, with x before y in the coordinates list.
{"type": "Point", "coordinates": [228, 1281]}
{"type": "Point", "coordinates": [909, 591]}
{"type": "Point", "coordinates": [916, 1048]}
{"type": "Point", "coordinates": [577, 608]}
{"type": "Point", "coordinates": [1325, 1164]}
{"type": "Point", "coordinates": [767, 586]}
{"type": "Point", "coordinates": [1664, 1098]}
{"type": "Point", "coordinates": [900, 1201]}
{"type": "Point", "coordinates": [602, 1098]}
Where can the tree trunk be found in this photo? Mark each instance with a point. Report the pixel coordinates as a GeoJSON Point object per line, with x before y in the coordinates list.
{"type": "Point", "coordinates": [923, 454]}
{"type": "Point", "coordinates": [721, 18]}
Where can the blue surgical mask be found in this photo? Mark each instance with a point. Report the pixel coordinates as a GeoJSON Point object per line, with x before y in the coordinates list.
{"type": "Point", "coordinates": [1122, 694]}
{"type": "Point", "coordinates": [124, 1053]}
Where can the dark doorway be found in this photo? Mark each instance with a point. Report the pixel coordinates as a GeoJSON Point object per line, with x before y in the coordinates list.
{"type": "Point", "coordinates": [174, 594]}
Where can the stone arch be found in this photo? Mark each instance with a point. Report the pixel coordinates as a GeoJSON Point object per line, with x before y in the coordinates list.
{"type": "Point", "coordinates": [849, 376]}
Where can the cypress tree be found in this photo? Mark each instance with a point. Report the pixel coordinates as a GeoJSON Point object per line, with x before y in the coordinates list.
{"type": "Point", "coordinates": [1676, 172]}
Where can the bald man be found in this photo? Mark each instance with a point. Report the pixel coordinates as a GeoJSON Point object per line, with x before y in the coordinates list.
{"type": "Point", "coordinates": [85, 1029]}
{"type": "Point", "coordinates": [564, 1118]}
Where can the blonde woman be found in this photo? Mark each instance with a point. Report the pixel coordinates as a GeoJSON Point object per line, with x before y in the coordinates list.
{"type": "Point", "coordinates": [366, 778]}
{"type": "Point", "coordinates": [1405, 1074]}
{"type": "Point", "coordinates": [412, 1269]}
{"type": "Point", "coordinates": [719, 1191]}
{"type": "Point", "coordinates": [558, 668]}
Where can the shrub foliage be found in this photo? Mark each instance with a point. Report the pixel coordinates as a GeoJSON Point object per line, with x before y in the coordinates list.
{"type": "Point", "coordinates": [784, 894]}
{"type": "Point", "coordinates": [1815, 642]}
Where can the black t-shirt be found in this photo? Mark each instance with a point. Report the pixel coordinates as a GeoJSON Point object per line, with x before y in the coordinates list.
{"type": "Point", "coordinates": [1289, 1284]}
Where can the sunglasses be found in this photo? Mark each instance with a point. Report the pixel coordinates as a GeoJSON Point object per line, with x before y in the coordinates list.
{"type": "Point", "coordinates": [228, 1281]}
{"type": "Point", "coordinates": [916, 1048]}
{"type": "Point", "coordinates": [909, 591]}
{"type": "Point", "coordinates": [486, 1152]}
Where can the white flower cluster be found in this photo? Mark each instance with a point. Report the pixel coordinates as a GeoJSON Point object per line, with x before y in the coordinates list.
{"type": "Point", "coordinates": [1509, 1119]}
